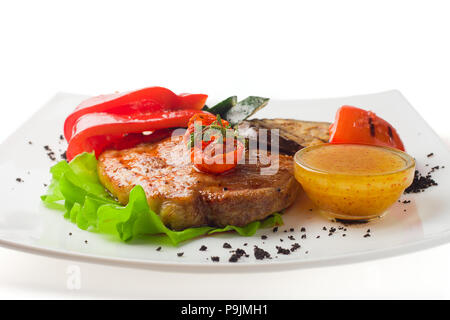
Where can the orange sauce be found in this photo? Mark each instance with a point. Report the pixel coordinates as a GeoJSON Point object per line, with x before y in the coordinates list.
{"type": "Point", "coordinates": [353, 182]}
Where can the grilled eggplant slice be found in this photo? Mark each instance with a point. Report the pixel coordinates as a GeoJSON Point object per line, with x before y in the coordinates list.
{"type": "Point", "coordinates": [294, 134]}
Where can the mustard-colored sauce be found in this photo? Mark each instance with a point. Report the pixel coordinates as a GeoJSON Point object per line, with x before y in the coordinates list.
{"type": "Point", "coordinates": [353, 182]}
{"type": "Point", "coordinates": [353, 159]}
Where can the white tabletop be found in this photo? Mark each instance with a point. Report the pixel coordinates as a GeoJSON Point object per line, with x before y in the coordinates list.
{"type": "Point", "coordinates": [289, 50]}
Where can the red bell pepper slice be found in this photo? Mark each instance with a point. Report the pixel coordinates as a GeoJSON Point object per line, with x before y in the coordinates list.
{"type": "Point", "coordinates": [358, 126]}
{"type": "Point", "coordinates": [147, 100]}
{"type": "Point", "coordinates": [96, 131]}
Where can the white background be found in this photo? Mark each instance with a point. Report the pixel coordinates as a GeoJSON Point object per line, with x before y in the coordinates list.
{"type": "Point", "coordinates": [279, 49]}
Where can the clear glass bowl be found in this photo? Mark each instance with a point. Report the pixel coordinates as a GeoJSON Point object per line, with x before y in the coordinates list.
{"type": "Point", "coordinates": [356, 196]}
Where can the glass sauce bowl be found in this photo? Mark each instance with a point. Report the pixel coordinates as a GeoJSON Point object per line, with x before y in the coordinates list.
{"type": "Point", "coordinates": [353, 182]}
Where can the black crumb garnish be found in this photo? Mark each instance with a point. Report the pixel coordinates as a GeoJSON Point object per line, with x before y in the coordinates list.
{"type": "Point", "coordinates": [245, 244]}
{"type": "Point", "coordinates": [430, 154]}
{"type": "Point", "coordinates": [420, 183]}
{"type": "Point", "coordinates": [238, 253]}
{"type": "Point", "coordinates": [406, 201]}
{"type": "Point", "coordinates": [366, 235]}
{"type": "Point", "coordinates": [303, 236]}
{"type": "Point", "coordinates": [283, 250]}
{"type": "Point", "coordinates": [324, 228]}
{"type": "Point", "coordinates": [30, 143]}
{"type": "Point", "coordinates": [19, 179]}
{"type": "Point", "coordinates": [225, 188]}
{"type": "Point", "coordinates": [317, 237]}
{"type": "Point", "coordinates": [275, 229]}
{"type": "Point", "coordinates": [291, 229]}
{"type": "Point", "coordinates": [64, 155]}
{"type": "Point", "coordinates": [158, 249]}
{"type": "Point", "coordinates": [45, 185]}
{"type": "Point", "coordinates": [291, 238]}
{"type": "Point", "coordinates": [295, 246]}
{"type": "Point", "coordinates": [203, 248]}
{"type": "Point", "coordinates": [261, 254]}
{"type": "Point", "coordinates": [281, 240]}
{"type": "Point", "coordinates": [180, 254]}
{"type": "Point", "coordinates": [215, 259]}
{"type": "Point", "coordinates": [306, 252]}
{"type": "Point", "coordinates": [61, 137]}
{"type": "Point", "coordinates": [344, 235]}
{"type": "Point", "coordinates": [368, 230]}
{"type": "Point", "coordinates": [332, 229]}
{"type": "Point", "coordinates": [264, 237]}
{"type": "Point", "coordinates": [85, 241]}
{"type": "Point", "coordinates": [303, 229]}
{"type": "Point", "coordinates": [70, 233]}
{"type": "Point", "coordinates": [227, 245]}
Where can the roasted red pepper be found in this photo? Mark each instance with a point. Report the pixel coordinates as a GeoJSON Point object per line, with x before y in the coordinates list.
{"type": "Point", "coordinates": [94, 132]}
{"type": "Point", "coordinates": [215, 147]}
{"type": "Point", "coordinates": [358, 126]}
{"type": "Point", "coordinates": [134, 103]}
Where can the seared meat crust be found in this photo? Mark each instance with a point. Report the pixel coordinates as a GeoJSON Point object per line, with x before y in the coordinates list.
{"type": "Point", "coordinates": [184, 197]}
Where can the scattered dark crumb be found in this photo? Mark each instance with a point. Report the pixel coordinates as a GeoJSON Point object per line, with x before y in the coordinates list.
{"type": "Point", "coordinates": [70, 233]}
{"type": "Point", "coordinates": [238, 253]}
{"type": "Point", "coordinates": [404, 210]}
{"type": "Point", "coordinates": [85, 241]}
{"type": "Point", "coordinates": [368, 230]}
{"type": "Point", "coordinates": [264, 237]}
{"type": "Point", "coordinates": [261, 254]}
{"type": "Point", "coordinates": [324, 228]}
{"type": "Point", "coordinates": [294, 247]}
{"type": "Point", "coordinates": [19, 180]}
{"type": "Point", "coordinates": [406, 201]}
{"type": "Point", "coordinates": [420, 183]}
{"type": "Point", "coordinates": [278, 189]}
{"type": "Point", "coordinates": [317, 237]}
{"type": "Point", "coordinates": [291, 238]}
{"type": "Point", "coordinates": [306, 252]}
{"type": "Point", "coordinates": [285, 231]}
{"type": "Point", "coordinates": [158, 249]}
{"type": "Point", "coordinates": [366, 235]}
{"type": "Point", "coordinates": [291, 229]}
{"type": "Point", "coordinates": [245, 244]}
{"type": "Point", "coordinates": [303, 236]}
{"type": "Point", "coordinates": [344, 235]}
{"type": "Point", "coordinates": [275, 229]}
{"type": "Point", "coordinates": [64, 155]}
{"type": "Point", "coordinates": [332, 229]}
{"type": "Point", "coordinates": [180, 254]}
{"type": "Point", "coordinates": [61, 137]}
{"type": "Point", "coordinates": [45, 185]}
{"type": "Point", "coordinates": [225, 188]}
{"type": "Point", "coordinates": [283, 250]}
{"type": "Point", "coordinates": [227, 245]}
{"type": "Point", "coordinates": [330, 234]}
{"type": "Point", "coordinates": [281, 240]}
{"type": "Point", "coordinates": [30, 143]}
{"type": "Point", "coordinates": [215, 259]}
{"type": "Point", "coordinates": [430, 154]}
{"type": "Point", "coordinates": [303, 229]}
{"type": "Point", "coordinates": [203, 248]}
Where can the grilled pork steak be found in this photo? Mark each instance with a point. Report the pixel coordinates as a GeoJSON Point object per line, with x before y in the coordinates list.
{"type": "Point", "coordinates": [184, 197]}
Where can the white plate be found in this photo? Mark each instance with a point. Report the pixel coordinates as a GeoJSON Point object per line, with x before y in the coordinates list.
{"type": "Point", "coordinates": [28, 226]}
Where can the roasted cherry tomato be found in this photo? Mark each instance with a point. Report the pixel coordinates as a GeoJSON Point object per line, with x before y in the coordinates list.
{"type": "Point", "coordinates": [358, 126]}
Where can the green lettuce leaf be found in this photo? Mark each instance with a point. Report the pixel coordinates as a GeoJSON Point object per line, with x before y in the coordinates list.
{"type": "Point", "coordinates": [76, 190]}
